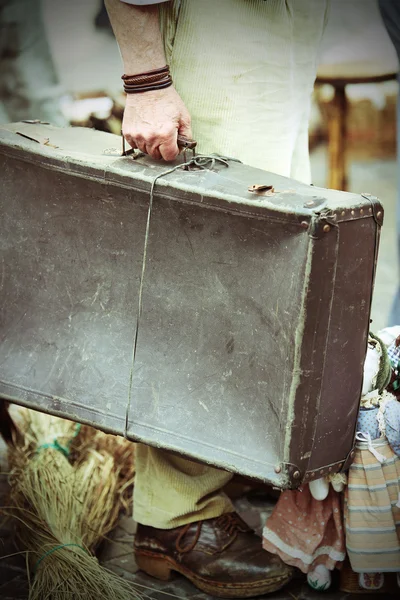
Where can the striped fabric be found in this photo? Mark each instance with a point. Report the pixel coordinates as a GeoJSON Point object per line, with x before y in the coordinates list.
{"type": "Point", "coordinates": [372, 510]}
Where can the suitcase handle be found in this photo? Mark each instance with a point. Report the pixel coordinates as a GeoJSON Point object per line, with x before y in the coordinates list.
{"type": "Point", "coordinates": [185, 143]}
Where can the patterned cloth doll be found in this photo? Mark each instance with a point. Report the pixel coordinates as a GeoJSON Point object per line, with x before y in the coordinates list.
{"type": "Point", "coordinates": [308, 533]}
{"type": "Point", "coordinates": [372, 497]}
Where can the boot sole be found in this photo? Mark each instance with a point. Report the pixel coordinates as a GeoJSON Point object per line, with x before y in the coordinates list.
{"type": "Point", "coordinates": [162, 567]}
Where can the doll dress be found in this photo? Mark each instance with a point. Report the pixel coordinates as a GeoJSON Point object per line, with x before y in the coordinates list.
{"type": "Point", "coordinates": [372, 496]}
{"type": "Point", "coordinates": [306, 532]}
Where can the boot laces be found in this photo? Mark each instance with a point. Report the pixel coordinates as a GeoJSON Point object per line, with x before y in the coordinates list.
{"type": "Point", "coordinates": [231, 523]}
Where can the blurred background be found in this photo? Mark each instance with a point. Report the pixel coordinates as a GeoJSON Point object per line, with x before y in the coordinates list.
{"type": "Point", "coordinates": [60, 63]}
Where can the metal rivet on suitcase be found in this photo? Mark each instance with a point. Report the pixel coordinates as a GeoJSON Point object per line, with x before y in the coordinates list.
{"type": "Point", "coordinates": [296, 474]}
{"type": "Point", "coordinates": [278, 469]}
{"type": "Point", "coordinates": [315, 201]}
{"type": "Point", "coordinates": [327, 228]}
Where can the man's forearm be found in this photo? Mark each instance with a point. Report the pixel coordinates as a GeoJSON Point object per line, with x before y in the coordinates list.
{"type": "Point", "coordinates": [153, 118]}
{"type": "Point", "coordinates": [137, 31]}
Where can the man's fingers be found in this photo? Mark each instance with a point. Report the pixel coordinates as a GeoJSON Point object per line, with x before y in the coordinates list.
{"type": "Point", "coordinates": [153, 149]}
{"type": "Point", "coordinates": [157, 145]}
{"type": "Point", "coordinates": [186, 130]}
{"type": "Point", "coordinates": [168, 142]}
{"type": "Point", "coordinates": [169, 150]}
{"type": "Point", "coordinates": [141, 144]}
{"type": "Point", "coordinates": [129, 139]}
{"type": "Point", "coordinates": [154, 152]}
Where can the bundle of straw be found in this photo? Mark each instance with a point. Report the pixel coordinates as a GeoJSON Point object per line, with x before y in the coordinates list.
{"type": "Point", "coordinates": [67, 489]}
{"type": "Point", "coordinates": [91, 442]}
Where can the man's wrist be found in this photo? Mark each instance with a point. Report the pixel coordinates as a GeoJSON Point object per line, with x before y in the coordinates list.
{"type": "Point", "coordinates": [156, 95]}
{"type": "Point", "coordinates": [155, 79]}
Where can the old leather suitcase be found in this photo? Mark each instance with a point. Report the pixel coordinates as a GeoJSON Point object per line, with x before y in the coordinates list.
{"type": "Point", "coordinates": [222, 323]}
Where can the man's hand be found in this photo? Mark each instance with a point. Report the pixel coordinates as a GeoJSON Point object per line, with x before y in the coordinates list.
{"type": "Point", "coordinates": [152, 121]}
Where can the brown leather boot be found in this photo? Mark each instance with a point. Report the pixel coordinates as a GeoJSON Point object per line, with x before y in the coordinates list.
{"type": "Point", "coordinates": [222, 557]}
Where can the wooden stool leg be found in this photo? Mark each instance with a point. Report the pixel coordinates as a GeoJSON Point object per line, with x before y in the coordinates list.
{"type": "Point", "coordinates": [337, 141]}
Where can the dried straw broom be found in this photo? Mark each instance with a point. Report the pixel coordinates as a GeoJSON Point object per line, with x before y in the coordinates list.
{"type": "Point", "coordinates": [64, 508]}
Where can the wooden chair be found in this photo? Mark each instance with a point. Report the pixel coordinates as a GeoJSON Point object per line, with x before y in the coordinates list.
{"type": "Point", "coordinates": [339, 76]}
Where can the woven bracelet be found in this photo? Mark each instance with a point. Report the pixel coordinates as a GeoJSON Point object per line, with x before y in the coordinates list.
{"type": "Point", "coordinates": [146, 88]}
{"type": "Point", "coordinates": [139, 80]}
{"type": "Point", "coordinates": [157, 79]}
{"type": "Point", "coordinates": [147, 73]}
{"type": "Point", "coordinates": [149, 81]}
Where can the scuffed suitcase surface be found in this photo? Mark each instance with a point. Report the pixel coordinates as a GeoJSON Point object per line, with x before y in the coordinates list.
{"type": "Point", "coordinates": [215, 346]}
{"type": "Point", "coordinates": [240, 356]}
{"type": "Point", "coordinates": [71, 267]}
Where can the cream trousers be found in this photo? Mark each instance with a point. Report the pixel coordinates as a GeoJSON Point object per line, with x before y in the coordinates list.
{"type": "Point", "coordinates": [245, 70]}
